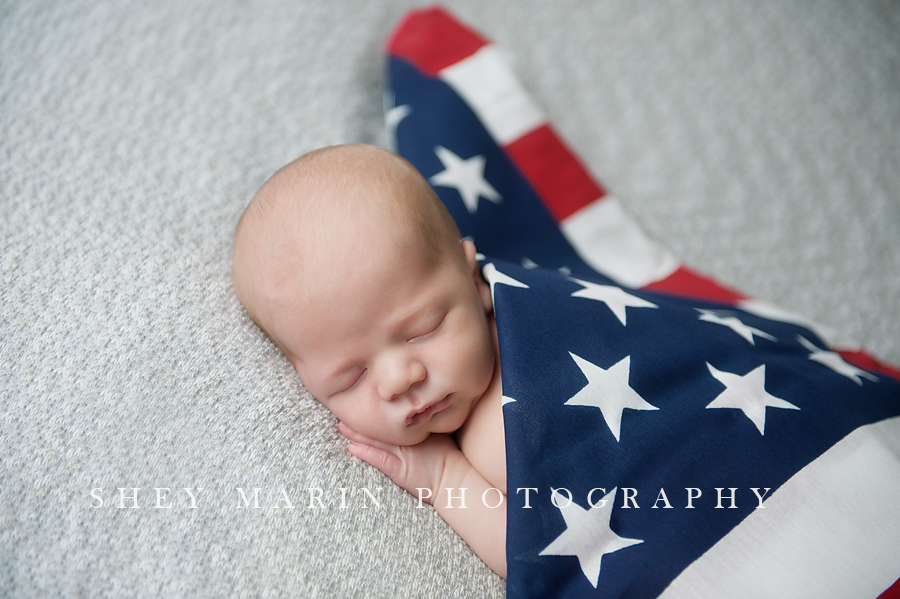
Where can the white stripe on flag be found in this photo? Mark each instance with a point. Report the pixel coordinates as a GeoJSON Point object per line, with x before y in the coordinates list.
{"type": "Point", "coordinates": [832, 530]}
{"type": "Point", "coordinates": [485, 80]}
{"type": "Point", "coordinates": [610, 241]}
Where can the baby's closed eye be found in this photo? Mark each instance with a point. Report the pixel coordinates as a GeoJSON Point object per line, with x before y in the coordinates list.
{"type": "Point", "coordinates": [353, 380]}
{"type": "Point", "coordinates": [428, 330]}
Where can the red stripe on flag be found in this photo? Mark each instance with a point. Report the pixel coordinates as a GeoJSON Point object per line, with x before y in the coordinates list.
{"type": "Point", "coordinates": [687, 283]}
{"type": "Point", "coordinates": [554, 171]}
{"type": "Point", "coordinates": [892, 593]}
{"type": "Point", "coordinates": [864, 360]}
{"type": "Point", "coordinates": [432, 39]}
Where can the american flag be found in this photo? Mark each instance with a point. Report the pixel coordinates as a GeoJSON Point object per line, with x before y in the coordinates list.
{"type": "Point", "coordinates": [665, 435]}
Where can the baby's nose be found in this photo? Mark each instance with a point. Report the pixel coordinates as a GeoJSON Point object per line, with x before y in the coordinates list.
{"type": "Point", "coordinates": [399, 376]}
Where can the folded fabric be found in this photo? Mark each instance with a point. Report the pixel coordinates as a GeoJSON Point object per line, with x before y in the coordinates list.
{"type": "Point", "coordinates": [665, 435]}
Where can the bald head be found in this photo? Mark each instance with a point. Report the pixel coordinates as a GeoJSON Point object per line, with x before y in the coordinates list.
{"type": "Point", "coordinates": [328, 214]}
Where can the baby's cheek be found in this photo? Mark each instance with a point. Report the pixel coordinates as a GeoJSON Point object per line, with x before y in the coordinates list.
{"type": "Point", "coordinates": [340, 411]}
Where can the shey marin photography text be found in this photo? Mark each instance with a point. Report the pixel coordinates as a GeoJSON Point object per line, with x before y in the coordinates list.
{"type": "Point", "coordinates": [341, 498]}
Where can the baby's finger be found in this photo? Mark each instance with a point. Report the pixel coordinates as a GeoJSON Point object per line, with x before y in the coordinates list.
{"type": "Point", "coordinates": [384, 460]}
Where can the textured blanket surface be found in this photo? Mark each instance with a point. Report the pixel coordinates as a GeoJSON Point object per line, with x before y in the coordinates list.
{"type": "Point", "coordinates": [759, 143]}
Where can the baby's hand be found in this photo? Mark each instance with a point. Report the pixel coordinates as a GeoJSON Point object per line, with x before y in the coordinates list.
{"type": "Point", "coordinates": [410, 466]}
{"type": "Point", "coordinates": [437, 464]}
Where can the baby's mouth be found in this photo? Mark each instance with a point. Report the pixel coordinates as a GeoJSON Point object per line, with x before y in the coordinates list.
{"type": "Point", "coordinates": [426, 412]}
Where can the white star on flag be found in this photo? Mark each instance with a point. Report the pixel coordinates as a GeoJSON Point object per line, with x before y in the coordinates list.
{"type": "Point", "coordinates": [588, 536]}
{"type": "Point", "coordinates": [735, 324]}
{"type": "Point", "coordinates": [835, 362]}
{"type": "Point", "coordinates": [615, 298]}
{"type": "Point", "coordinates": [608, 390]}
{"type": "Point", "coordinates": [748, 394]}
{"type": "Point", "coordinates": [505, 400]}
{"type": "Point", "coordinates": [466, 176]}
{"type": "Point", "coordinates": [495, 277]}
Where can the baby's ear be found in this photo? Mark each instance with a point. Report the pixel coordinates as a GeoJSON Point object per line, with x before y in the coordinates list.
{"type": "Point", "coordinates": [484, 290]}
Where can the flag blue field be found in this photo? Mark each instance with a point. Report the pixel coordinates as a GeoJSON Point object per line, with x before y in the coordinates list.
{"type": "Point", "coordinates": [665, 435]}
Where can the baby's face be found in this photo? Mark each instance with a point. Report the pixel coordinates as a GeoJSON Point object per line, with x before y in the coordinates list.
{"type": "Point", "coordinates": [398, 350]}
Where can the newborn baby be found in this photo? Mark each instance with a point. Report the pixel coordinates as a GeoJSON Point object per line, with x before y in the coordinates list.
{"type": "Point", "coordinates": [350, 263]}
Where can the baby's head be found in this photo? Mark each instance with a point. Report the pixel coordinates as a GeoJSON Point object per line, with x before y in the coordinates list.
{"type": "Point", "coordinates": [347, 259]}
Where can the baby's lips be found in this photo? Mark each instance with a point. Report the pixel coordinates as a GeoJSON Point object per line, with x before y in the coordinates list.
{"type": "Point", "coordinates": [425, 414]}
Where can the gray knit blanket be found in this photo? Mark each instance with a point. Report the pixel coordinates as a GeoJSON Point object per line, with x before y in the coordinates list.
{"type": "Point", "coordinates": [153, 442]}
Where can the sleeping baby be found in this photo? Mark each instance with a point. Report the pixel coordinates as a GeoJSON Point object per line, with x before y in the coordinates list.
{"type": "Point", "coordinates": [350, 263]}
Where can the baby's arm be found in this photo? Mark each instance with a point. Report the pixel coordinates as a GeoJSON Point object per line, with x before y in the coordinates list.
{"type": "Point", "coordinates": [437, 463]}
